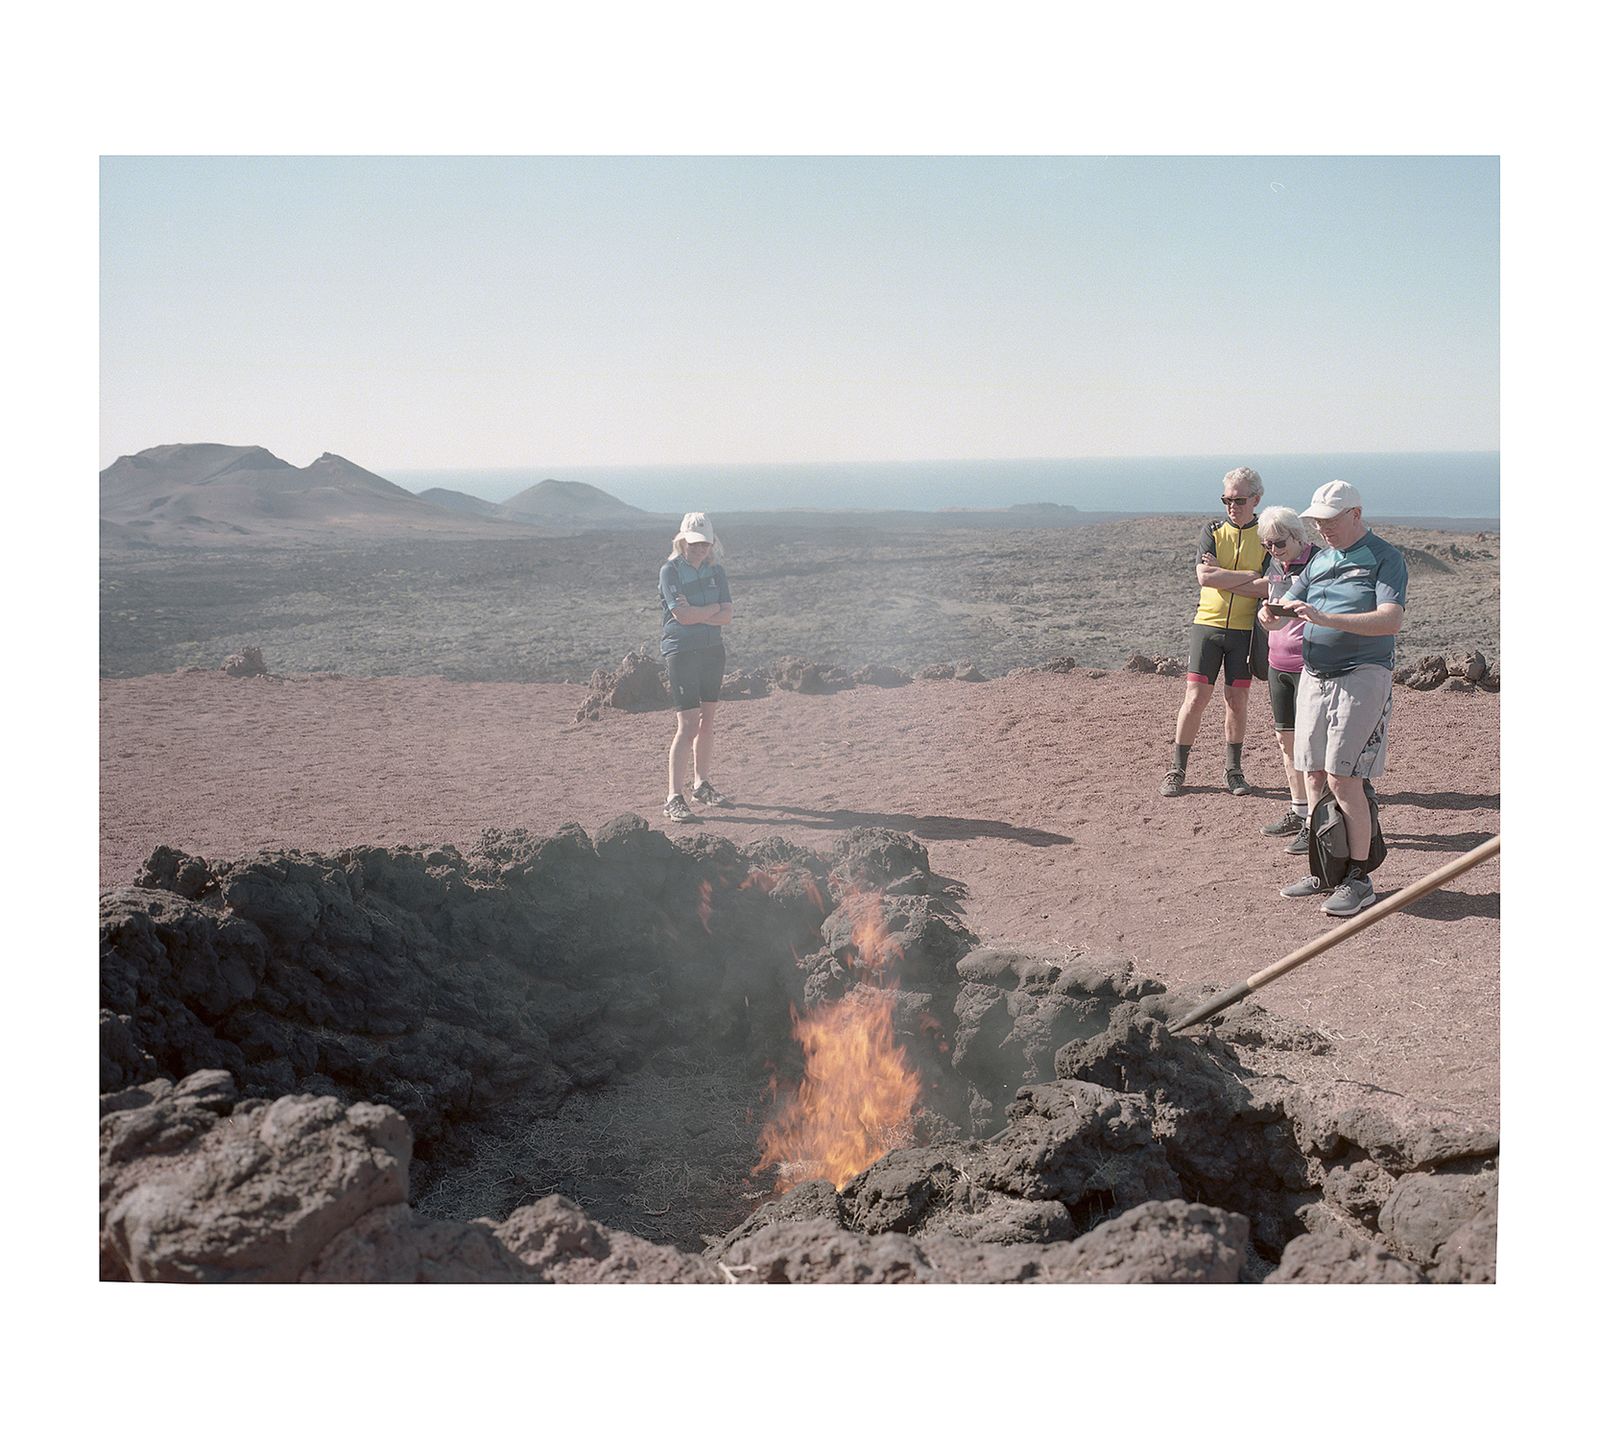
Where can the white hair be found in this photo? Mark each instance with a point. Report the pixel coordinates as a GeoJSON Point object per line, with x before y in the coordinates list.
{"type": "Point", "coordinates": [1247, 477]}
{"type": "Point", "coordinates": [1278, 520]}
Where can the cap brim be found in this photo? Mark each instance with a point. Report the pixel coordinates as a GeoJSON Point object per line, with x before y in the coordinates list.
{"type": "Point", "coordinates": [1323, 512]}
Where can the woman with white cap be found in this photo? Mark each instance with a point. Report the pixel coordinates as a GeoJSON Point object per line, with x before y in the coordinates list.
{"type": "Point", "coordinates": [695, 605]}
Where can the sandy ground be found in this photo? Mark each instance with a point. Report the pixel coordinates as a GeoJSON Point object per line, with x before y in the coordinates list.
{"type": "Point", "coordinates": [1036, 792]}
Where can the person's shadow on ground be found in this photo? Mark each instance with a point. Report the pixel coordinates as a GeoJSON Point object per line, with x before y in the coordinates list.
{"type": "Point", "coordinates": [1456, 905]}
{"type": "Point", "coordinates": [1440, 800]}
{"type": "Point", "coordinates": [924, 827]}
{"type": "Point", "coordinates": [1457, 843]}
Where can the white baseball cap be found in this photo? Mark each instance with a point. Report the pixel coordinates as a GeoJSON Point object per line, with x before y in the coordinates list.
{"type": "Point", "coordinates": [696, 529]}
{"type": "Point", "coordinates": [1332, 499]}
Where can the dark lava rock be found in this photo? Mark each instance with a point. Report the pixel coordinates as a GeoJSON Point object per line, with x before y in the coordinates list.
{"type": "Point", "coordinates": [246, 663]}
{"type": "Point", "coordinates": [597, 1020]}
{"type": "Point", "coordinates": [638, 683]}
{"type": "Point", "coordinates": [875, 674]}
{"type": "Point", "coordinates": [1425, 1211]}
{"type": "Point", "coordinates": [1327, 1259]}
{"type": "Point", "coordinates": [871, 858]}
{"type": "Point", "coordinates": [1141, 664]}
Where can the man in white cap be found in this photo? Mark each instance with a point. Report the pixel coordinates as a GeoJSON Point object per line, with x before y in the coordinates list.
{"type": "Point", "coordinates": [1351, 596]}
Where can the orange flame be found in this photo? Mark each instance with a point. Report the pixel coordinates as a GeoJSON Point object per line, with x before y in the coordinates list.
{"type": "Point", "coordinates": [854, 1104]}
{"type": "Point", "coordinates": [704, 907]}
{"type": "Point", "coordinates": [768, 880]}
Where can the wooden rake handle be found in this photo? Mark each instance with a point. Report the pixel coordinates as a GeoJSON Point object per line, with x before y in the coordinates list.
{"type": "Point", "coordinates": [1340, 933]}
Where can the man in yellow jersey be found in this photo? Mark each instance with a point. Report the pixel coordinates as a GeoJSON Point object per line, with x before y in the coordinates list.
{"type": "Point", "coordinates": [1229, 564]}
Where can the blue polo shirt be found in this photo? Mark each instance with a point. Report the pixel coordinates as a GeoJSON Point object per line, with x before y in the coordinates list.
{"type": "Point", "coordinates": [1350, 582]}
{"type": "Point", "coordinates": [706, 586]}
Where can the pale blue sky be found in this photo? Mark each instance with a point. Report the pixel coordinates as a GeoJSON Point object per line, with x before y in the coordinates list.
{"type": "Point", "coordinates": [436, 312]}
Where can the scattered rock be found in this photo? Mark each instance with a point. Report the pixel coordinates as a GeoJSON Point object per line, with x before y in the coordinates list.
{"type": "Point", "coordinates": [1329, 1259]}
{"type": "Point", "coordinates": [886, 675]}
{"type": "Point", "coordinates": [966, 670]}
{"type": "Point", "coordinates": [1426, 1210]}
{"type": "Point", "coordinates": [940, 671]}
{"type": "Point", "coordinates": [638, 683]}
{"type": "Point", "coordinates": [293, 1044]}
{"type": "Point", "coordinates": [247, 662]}
{"type": "Point", "coordinates": [1141, 664]}
{"type": "Point", "coordinates": [745, 684]}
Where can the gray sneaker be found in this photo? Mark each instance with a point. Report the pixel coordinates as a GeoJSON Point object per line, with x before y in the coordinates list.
{"type": "Point", "coordinates": [1236, 783]}
{"type": "Point", "coordinates": [1308, 885]}
{"type": "Point", "coordinates": [1301, 844]}
{"type": "Point", "coordinates": [1350, 898]}
{"type": "Point", "coordinates": [1291, 824]}
{"type": "Point", "coordinates": [1173, 784]}
{"type": "Point", "coordinates": [707, 794]}
{"type": "Point", "coordinates": [677, 808]}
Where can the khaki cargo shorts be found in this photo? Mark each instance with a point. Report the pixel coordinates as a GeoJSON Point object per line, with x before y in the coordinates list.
{"type": "Point", "coordinates": [1342, 725]}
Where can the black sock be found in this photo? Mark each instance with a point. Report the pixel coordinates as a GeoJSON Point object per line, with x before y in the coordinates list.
{"type": "Point", "coordinates": [1236, 756]}
{"type": "Point", "coordinates": [1180, 757]}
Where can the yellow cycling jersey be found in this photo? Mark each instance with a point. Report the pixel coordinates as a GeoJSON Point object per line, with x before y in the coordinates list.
{"type": "Point", "coordinates": [1231, 547]}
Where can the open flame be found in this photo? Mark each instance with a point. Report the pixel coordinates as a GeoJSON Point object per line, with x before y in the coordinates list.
{"type": "Point", "coordinates": [854, 1104]}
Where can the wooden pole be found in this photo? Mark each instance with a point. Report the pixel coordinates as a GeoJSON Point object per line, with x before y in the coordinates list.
{"type": "Point", "coordinates": [1340, 933]}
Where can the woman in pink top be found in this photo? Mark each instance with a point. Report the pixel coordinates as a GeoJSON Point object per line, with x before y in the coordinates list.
{"type": "Point", "coordinates": [1284, 536]}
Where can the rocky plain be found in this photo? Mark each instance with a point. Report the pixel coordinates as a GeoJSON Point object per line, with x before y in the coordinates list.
{"type": "Point", "coordinates": [397, 985]}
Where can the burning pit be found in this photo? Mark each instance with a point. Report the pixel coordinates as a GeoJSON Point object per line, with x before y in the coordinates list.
{"type": "Point", "coordinates": [621, 1057]}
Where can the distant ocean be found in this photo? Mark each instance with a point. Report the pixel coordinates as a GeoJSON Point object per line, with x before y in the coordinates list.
{"type": "Point", "coordinates": [1461, 485]}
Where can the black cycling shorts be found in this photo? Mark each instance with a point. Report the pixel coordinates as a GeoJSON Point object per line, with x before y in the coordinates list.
{"type": "Point", "coordinates": [695, 676]}
{"type": "Point", "coordinates": [1211, 648]}
{"type": "Point", "coordinates": [1282, 688]}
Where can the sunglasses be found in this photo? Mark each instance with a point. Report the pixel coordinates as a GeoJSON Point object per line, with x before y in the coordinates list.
{"type": "Point", "coordinates": [1276, 544]}
{"type": "Point", "coordinates": [1237, 499]}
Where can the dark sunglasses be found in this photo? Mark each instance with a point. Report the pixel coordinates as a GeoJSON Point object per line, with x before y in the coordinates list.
{"type": "Point", "coordinates": [1276, 544]}
{"type": "Point", "coordinates": [1237, 499]}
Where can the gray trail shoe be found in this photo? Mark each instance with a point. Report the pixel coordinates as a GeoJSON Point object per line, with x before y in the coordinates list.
{"type": "Point", "coordinates": [1173, 784]}
{"type": "Point", "coordinates": [1236, 783]}
{"type": "Point", "coordinates": [1301, 844]}
{"type": "Point", "coordinates": [707, 794]}
{"type": "Point", "coordinates": [1350, 898]}
{"type": "Point", "coordinates": [1307, 885]}
{"type": "Point", "coordinates": [1291, 824]}
{"type": "Point", "coordinates": [677, 808]}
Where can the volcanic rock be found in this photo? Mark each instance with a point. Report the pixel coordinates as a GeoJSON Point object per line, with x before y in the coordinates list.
{"type": "Point", "coordinates": [192, 1195]}
{"type": "Point", "coordinates": [745, 684]}
{"type": "Point", "coordinates": [875, 674]}
{"type": "Point", "coordinates": [246, 663]}
{"type": "Point", "coordinates": [576, 1034]}
{"type": "Point", "coordinates": [940, 671]}
{"type": "Point", "coordinates": [1426, 1210]}
{"type": "Point", "coordinates": [638, 683]}
{"type": "Point", "coordinates": [1140, 664]}
{"type": "Point", "coordinates": [1327, 1259]}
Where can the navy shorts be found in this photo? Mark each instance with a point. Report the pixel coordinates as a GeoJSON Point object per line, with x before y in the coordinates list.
{"type": "Point", "coordinates": [695, 676]}
{"type": "Point", "coordinates": [1211, 648]}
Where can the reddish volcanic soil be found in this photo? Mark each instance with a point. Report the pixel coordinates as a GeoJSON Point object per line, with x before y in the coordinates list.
{"type": "Point", "coordinates": [1035, 792]}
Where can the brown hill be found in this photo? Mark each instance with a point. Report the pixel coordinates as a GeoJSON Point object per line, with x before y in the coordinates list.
{"type": "Point", "coordinates": [569, 501]}
{"type": "Point", "coordinates": [188, 494]}
{"type": "Point", "coordinates": [458, 502]}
